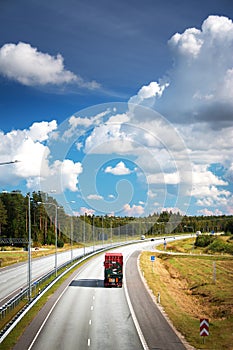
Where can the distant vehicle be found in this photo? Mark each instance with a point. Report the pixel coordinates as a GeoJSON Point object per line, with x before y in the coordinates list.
{"type": "Point", "coordinates": [113, 270]}
{"type": "Point", "coordinates": [36, 248]}
{"type": "Point", "coordinates": [198, 233]}
{"type": "Point", "coordinates": [143, 237]}
{"type": "Point", "coordinates": [152, 239]}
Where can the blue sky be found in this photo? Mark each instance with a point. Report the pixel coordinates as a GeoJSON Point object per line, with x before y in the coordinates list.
{"type": "Point", "coordinates": [120, 107]}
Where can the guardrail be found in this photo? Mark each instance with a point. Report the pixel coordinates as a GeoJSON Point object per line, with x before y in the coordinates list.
{"type": "Point", "coordinates": [38, 292]}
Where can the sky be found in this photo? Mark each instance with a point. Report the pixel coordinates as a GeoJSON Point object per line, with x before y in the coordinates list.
{"type": "Point", "coordinates": [118, 107]}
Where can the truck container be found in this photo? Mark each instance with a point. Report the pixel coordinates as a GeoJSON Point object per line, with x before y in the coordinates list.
{"type": "Point", "coordinates": [113, 270]}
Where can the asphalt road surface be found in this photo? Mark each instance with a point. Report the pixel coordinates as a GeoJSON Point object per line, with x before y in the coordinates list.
{"type": "Point", "coordinates": [157, 332]}
{"type": "Point", "coordinates": [84, 315]}
{"type": "Point", "coordinates": [15, 277]}
{"type": "Point", "coordinates": [87, 316]}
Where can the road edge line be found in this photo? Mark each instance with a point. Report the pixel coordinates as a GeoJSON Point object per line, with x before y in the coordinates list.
{"type": "Point", "coordinates": [137, 326]}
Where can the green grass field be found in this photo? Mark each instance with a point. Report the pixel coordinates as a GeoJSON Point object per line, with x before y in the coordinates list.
{"type": "Point", "coordinates": [193, 287]}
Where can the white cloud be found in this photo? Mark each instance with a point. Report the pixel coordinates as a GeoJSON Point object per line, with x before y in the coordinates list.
{"type": "Point", "coordinates": [41, 131]}
{"type": "Point", "coordinates": [33, 166]}
{"type": "Point", "coordinates": [86, 211]}
{"type": "Point", "coordinates": [61, 176]}
{"type": "Point", "coordinates": [26, 146]}
{"type": "Point", "coordinates": [189, 43]}
{"type": "Point", "coordinates": [69, 174]}
{"type": "Point", "coordinates": [95, 197]}
{"type": "Point", "coordinates": [147, 92]}
{"type": "Point", "coordinates": [203, 176]}
{"type": "Point", "coordinates": [77, 123]}
{"type": "Point", "coordinates": [108, 138]}
{"type": "Point", "coordinates": [28, 66]}
{"type": "Point", "coordinates": [119, 169]}
{"type": "Point", "coordinates": [111, 196]}
{"type": "Point", "coordinates": [208, 212]}
{"type": "Point", "coordinates": [164, 178]}
{"type": "Point", "coordinates": [135, 210]}
{"type": "Point", "coordinates": [202, 75]}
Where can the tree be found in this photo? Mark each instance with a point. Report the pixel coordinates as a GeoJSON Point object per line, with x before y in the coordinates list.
{"type": "Point", "coordinates": [3, 216]}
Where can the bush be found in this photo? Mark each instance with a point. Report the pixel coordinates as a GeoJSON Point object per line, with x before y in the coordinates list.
{"type": "Point", "coordinates": [60, 243]}
{"type": "Point", "coordinates": [204, 241]}
{"type": "Point", "coordinates": [219, 246]}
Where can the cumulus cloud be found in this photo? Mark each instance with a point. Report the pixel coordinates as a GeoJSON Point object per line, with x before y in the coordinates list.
{"type": "Point", "coordinates": [41, 131]}
{"type": "Point", "coordinates": [85, 211]}
{"type": "Point", "coordinates": [119, 169]}
{"type": "Point", "coordinates": [111, 135]}
{"type": "Point", "coordinates": [201, 79]}
{"type": "Point", "coordinates": [25, 64]}
{"type": "Point", "coordinates": [196, 98]}
{"type": "Point", "coordinates": [34, 166]}
{"type": "Point", "coordinates": [189, 43]}
{"type": "Point", "coordinates": [148, 93]}
{"type": "Point", "coordinates": [134, 210]}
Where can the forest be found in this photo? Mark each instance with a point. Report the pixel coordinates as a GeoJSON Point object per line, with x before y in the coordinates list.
{"type": "Point", "coordinates": [49, 220]}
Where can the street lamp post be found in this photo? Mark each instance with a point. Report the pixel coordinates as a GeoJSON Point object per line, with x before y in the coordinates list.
{"type": "Point", "coordinates": [84, 234]}
{"type": "Point", "coordinates": [93, 232]}
{"type": "Point", "coordinates": [56, 207]}
{"type": "Point", "coordinates": [102, 230]}
{"type": "Point", "coordinates": [71, 238]}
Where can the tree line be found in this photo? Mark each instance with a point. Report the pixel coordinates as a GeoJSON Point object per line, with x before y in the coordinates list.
{"type": "Point", "coordinates": [14, 215]}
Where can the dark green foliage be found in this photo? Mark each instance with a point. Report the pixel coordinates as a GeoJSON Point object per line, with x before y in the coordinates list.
{"type": "Point", "coordinates": [204, 241]}
{"type": "Point", "coordinates": [60, 243]}
{"type": "Point", "coordinates": [14, 222]}
{"type": "Point", "coordinates": [3, 216]}
{"type": "Point", "coordinates": [229, 227]}
{"type": "Point", "coordinates": [219, 246]}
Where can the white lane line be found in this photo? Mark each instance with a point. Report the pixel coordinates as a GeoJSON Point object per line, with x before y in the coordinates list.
{"type": "Point", "coordinates": [92, 307]}
{"type": "Point", "coordinates": [89, 322]}
{"type": "Point", "coordinates": [138, 328]}
{"type": "Point", "coordinates": [93, 297]}
{"type": "Point", "coordinates": [89, 342]}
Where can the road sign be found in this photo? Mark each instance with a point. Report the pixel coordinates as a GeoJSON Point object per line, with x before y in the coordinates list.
{"type": "Point", "coordinates": [204, 327]}
{"type": "Point", "coordinates": [152, 258]}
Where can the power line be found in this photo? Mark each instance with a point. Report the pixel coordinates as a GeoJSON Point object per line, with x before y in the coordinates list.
{"type": "Point", "coordinates": [11, 162]}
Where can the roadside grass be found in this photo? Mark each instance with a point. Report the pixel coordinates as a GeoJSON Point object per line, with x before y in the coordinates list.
{"type": "Point", "coordinates": [12, 256]}
{"type": "Point", "coordinates": [189, 291]}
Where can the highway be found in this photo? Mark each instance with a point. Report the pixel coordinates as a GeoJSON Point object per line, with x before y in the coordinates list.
{"type": "Point", "coordinates": [85, 315]}
{"type": "Point", "coordinates": [15, 277]}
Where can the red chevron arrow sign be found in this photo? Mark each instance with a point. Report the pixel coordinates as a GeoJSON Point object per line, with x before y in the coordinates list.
{"type": "Point", "coordinates": [204, 327]}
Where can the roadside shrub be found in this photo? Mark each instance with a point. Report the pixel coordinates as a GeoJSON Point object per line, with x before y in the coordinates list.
{"type": "Point", "coordinates": [219, 246]}
{"type": "Point", "coordinates": [229, 227]}
{"type": "Point", "coordinates": [60, 243]}
{"type": "Point", "coordinates": [204, 241]}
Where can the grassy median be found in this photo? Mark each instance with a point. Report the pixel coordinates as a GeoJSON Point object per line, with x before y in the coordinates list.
{"type": "Point", "coordinates": [193, 287]}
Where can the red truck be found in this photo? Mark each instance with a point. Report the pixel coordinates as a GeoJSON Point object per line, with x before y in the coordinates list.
{"type": "Point", "coordinates": [113, 270]}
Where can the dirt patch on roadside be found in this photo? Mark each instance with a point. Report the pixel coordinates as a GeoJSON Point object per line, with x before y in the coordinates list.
{"type": "Point", "coordinates": [177, 287]}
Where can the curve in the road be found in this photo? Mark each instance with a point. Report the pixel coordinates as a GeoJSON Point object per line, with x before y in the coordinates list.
{"type": "Point", "coordinates": [156, 330]}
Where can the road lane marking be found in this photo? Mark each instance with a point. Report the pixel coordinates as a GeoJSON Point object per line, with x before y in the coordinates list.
{"type": "Point", "coordinates": [89, 322]}
{"type": "Point", "coordinates": [133, 315]}
{"type": "Point", "coordinates": [89, 342]}
{"type": "Point", "coordinates": [92, 307]}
